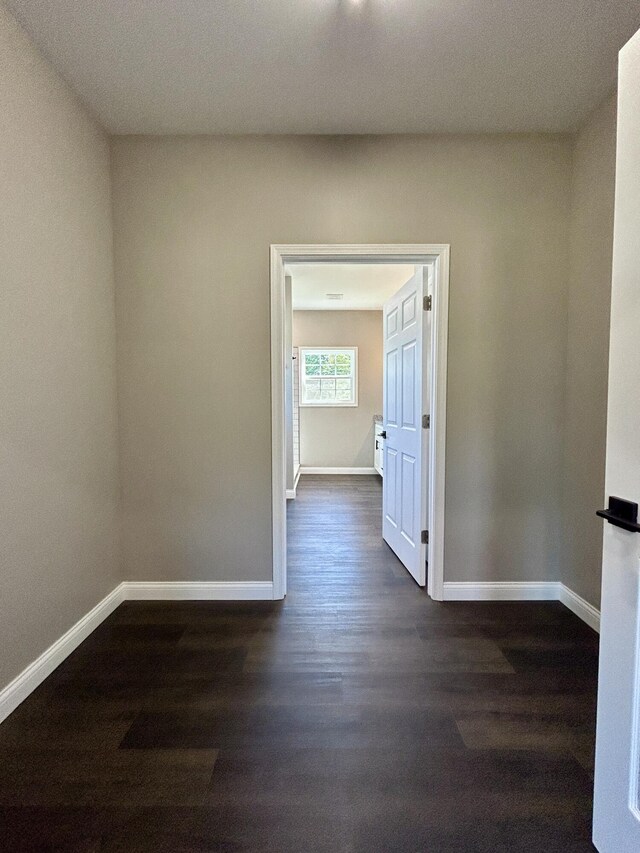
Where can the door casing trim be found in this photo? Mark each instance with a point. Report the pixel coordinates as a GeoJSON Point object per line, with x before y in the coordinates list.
{"type": "Point", "coordinates": [427, 253]}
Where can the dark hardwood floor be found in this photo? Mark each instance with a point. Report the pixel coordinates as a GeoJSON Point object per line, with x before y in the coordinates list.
{"type": "Point", "coordinates": [358, 716]}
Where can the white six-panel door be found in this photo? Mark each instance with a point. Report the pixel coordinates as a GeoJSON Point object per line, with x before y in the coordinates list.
{"type": "Point", "coordinates": [617, 778]}
{"type": "Point", "coordinates": [404, 489]}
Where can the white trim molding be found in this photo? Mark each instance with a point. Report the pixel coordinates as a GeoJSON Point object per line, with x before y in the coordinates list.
{"type": "Point", "coordinates": [31, 677]}
{"type": "Point", "coordinates": [17, 690]}
{"type": "Point", "coordinates": [524, 591]}
{"type": "Point", "coordinates": [291, 493]}
{"type": "Point", "coordinates": [304, 471]}
{"type": "Point", "coordinates": [198, 590]}
{"type": "Point", "coordinates": [26, 682]}
{"type": "Point", "coordinates": [501, 591]}
{"type": "Point", "coordinates": [580, 606]}
{"type": "Point", "coordinates": [438, 425]}
{"type": "Point", "coordinates": [437, 257]}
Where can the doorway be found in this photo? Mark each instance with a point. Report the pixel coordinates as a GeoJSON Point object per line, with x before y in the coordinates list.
{"type": "Point", "coordinates": [421, 495]}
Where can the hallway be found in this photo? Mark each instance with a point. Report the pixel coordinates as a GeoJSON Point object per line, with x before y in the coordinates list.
{"type": "Point", "coordinates": [357, 716]}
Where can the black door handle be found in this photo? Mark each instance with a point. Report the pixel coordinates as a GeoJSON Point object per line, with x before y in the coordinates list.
{"type": "Point", "coordinates": [383, 434]}
{"type": "Point", "coordinates": [622, 513]}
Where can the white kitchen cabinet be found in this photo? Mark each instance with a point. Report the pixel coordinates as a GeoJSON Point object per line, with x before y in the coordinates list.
{"type": "Point", "coordinates": [378, 447]}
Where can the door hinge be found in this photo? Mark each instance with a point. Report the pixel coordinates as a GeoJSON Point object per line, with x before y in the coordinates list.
{"type": "Point", "coordinates": [424, 537]}
{"type": "Point", "coordinates": [427, 303]}
{"type": "Point", "coordinates": [426, 421]}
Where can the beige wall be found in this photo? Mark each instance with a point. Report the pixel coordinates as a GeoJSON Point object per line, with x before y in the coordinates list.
{"type": "Point", "coordinates": [194, 221]}
{"type": "Point", "coordinates": [342, 437]}
{"type": "Point", "coordinates": [589, 301]}
{"type": "Point", "coordinates": [195, 217]}
{"type": "Point", "coordinates": [58, 465]}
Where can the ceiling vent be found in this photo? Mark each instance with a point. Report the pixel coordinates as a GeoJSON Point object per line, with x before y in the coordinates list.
{"type": "Point", "coordinates": [335, 295]}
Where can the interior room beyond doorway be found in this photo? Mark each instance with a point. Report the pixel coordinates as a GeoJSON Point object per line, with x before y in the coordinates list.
{"type": "Point", "coordinates": [337, 317]}
{"type": "Point", "coordinates": [358, 344]}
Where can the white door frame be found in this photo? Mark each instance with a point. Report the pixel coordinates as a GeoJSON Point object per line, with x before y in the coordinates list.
{"type": "Point", "coordinates": [436, 254]}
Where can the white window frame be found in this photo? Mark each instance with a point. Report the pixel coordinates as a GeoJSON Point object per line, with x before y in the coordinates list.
{"type": "Point", "coordinates": [325, 404]}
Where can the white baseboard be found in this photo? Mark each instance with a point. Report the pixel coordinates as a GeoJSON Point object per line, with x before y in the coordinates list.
{"type": "Point", "coordinates": [291, 493]}
{"type": "Point", "coordinates": [25, 683]}
{"type": "Point", "coordinates": [198, 590]}
{"type": "Point", "coordinates": [338, 471]}
{"type": "Point", "coordinates": [17, 690]}
{"type": "Point", "coordinates": [501, 591]}
{"type": "Point", "coordinates": [524, 591]}
{"type": "Point", "coordinates": [578, 605]}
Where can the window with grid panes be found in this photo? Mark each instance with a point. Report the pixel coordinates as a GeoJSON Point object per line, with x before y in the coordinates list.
{"type": "Point", "coordinates": [328, 376]}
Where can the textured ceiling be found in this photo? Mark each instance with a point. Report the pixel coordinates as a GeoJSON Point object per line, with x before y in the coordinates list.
{"type": "Point", "coordinates": [363, 286]}
{"type": "Point", "coordinates": [334, 66]}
